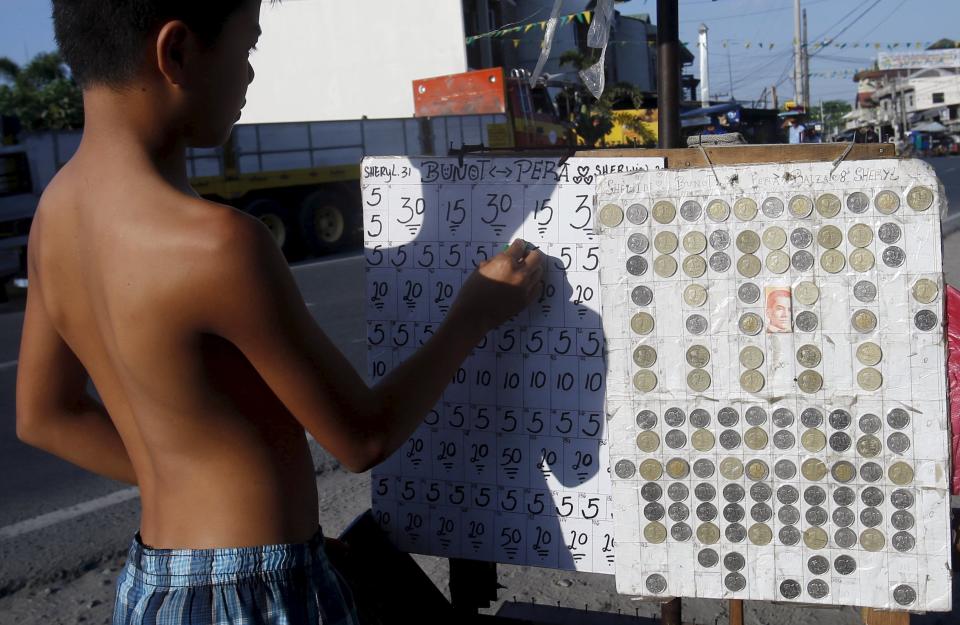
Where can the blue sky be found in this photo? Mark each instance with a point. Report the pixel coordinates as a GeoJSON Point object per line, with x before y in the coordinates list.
{"type": "Point", "coordinates": [25, 30]}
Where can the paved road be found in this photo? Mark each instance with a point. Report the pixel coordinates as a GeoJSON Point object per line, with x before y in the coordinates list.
{"type": "Point", "coordinates": [948, 170]}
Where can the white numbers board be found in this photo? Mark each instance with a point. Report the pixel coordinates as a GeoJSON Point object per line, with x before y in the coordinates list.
{"type": "Point", "coordinates": [777, 385]}
{"type": "Point", "coordinates": [511, 465]}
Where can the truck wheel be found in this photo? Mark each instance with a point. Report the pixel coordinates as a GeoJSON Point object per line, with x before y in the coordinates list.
{"type": "Point", "coordinates": [324, 220]}
{"type": "Point", "coordinates": [271, 214]}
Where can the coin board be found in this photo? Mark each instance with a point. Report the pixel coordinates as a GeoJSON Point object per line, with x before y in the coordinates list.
{"type": "Point", "coordinates": [740, 384]}
{"type": "Point", "coordinates": [511, 466]}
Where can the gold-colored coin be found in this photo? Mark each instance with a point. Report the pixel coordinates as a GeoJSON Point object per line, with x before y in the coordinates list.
{"type": "Point", "coordinates": [862, 260]}
{"type": "Point", "coordinates": [611, 215]}
{"type": "Point", "coordinates": [829, 237]}
{"type": "Point", "coordinates": [731, 468]}
{"type": "Point", "coordinates": [698, 356]}
{"type": "Point", "coordinates": [869, 354]}
{"type": "Point", "coordinates": [745, 209]}
{"type": "Point", "coordinates": [900, 473]}
{"type": "Point", "coordinates": [774, 238]}
{"type": "Point", "coordinates": [665, 266]}
{"type": "Point", "coordinates": [698, 380]}
{"type": "Point", "coordinates": [815, 538]}
{"type": "Point", "coordinates": [828, 205]}
{"type": "Point", "coordinates": [808, 356]}
{"type": "Point", "coordinates": [813, 440]}
{"type": "Point", "coordinates": [800, 206]}
{"type": "Point", "coordinates": [869, 446]}
{"type": "Point", "coordinates": [678, 468]}
{"type": "Point", "coordinates": [860, 235]}
{"type": "Point", "coordinates": [642, 323]}
{"type": "Point", "coordinates": [844, 471]}
{"type": "Point", "coordinates": [869, 379]}
{"type": "Point", "coordinates": [703, 440]}
{"type": "Point", "coordinates": [695, 295]}
{"type": "Point", "coordinates": [810, 381]}
{"type": "Point", "coordinates": [778, 262]}
{"type": "Point", "coordinates": [919, 198]}
{"type": "Point", "coordinates": [757, 470]}
{"type": "Point", "coordinates": [650, 469]}
{"type": "Point", "coordinates": [748, 265]}
{"type": "Point", "coordinates": [751, 357]}
{"type": "Point", "coordinates": [718, 210]}
{"type": "Point", "coordinates": [645, 381]}
{"type": "Point", "coordinates": [806, 293]}
{"type": "Point", "coordinates": [864, 321]}
{"type": "Point", "coordinates": [694, 242]}
{"type": "Point", "coordinates": [694, 266]}
{"type": "Point", "coordinates": [655, 532]}
{"type": "Point", "coordinates": [925, 290]}
{"type": "Point", "coordinates": [648, 441]}
{"type": "Point", "coordinates": [813, 469]}
{"type": "Point", "coordinates": [708, 534]}
{"type": "Point", "coordinates": [751, 324]}
{"type": "Point", "coordinates": [832, 261]}
{"type": "Point", "coordinates": [664, 212]}
{"type": "Point", "coordinates": [645, 356]}
{"type": "Point", "coordinates": [760, 534]}
{"type": "Point", "coordinates": [872, 539]}
{"type": "Point", "coordinates": [665, 242]}
{"type": "Point", "coordinates": [755, 438]}
{"type": "Point", "coordinates": [887, 202]}
{"type": "Point", "coordinates": [752, 381]}
{"type": "Point", "coordinates": [748, 242]}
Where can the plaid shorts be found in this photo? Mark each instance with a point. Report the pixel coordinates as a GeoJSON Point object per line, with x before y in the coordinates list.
{"type": "Point", "coordinates": [288, 584]}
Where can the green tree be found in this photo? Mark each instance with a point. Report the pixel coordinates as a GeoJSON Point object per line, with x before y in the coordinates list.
{"type": "Point", "coordinates": [833, 112]}
{"type": "Point", "coordinates": [42, 94]}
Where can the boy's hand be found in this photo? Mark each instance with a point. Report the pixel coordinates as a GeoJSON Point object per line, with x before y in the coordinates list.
{"type": "Point", "coordinates": [502, 286]}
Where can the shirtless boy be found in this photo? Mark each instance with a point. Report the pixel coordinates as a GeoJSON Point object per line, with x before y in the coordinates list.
{"type": "Point", "coordinates": [185, 317]}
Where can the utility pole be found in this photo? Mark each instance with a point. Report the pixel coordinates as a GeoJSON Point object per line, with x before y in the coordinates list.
{"type": "Point", "coordinates": [729, 74]}
{"type": "Point", "coordinates": [668, 76]}
{"type": "Point", "coordinates": [797, 55]}
{"type": "Point", "coordinates": [773, 94]}
{"type": "Point", "coordinates": [823, 122]}
{"type": "Point", "coordinates": [806, 65]}
{"type": "Point", "coordinates": [704, 67]}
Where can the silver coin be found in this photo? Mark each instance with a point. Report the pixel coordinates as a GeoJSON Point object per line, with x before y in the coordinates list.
{"type": "Point", "coordinates": [691, 210]}
{"type": "Point", "coordinates": [637, 214]}
{"type": "Point", "coordinates": [678, 512]}
{"type": "Point", "coordinates": [733, 493]}
{"type": "Point", "coordinates": [755, 415]}
{"type": "Point", "coordinates": [871, 472]}
{"type": "Point", "coordinates": [801, 238]}
{"type": "Point", "coordinates": [735, 582]}
{"type": "Point", "coordinates": [816, 516]}
{"type": "Point", "coordinates": [871, 496]}
{"type": "Point", "coordinates": [865, 291]}
{"type": "Point", "coordinates": [734, 561]}
{"type": "Point", "coordinates": [636, 265]}
{"type": "Point", "coordinates": [729, 439]}
{"type": "Point", "coordinates": [784, 439]}
{"type": "Point", "coordinates": [790, 589]}
{"type": "Point", "coordinates": [646, 419]}
{"type": "Point", "coordinates": [706, 512]}
{"type": "Point", "coordinates": [788, 515]}
{"type": "Point", "coordinates": [818, 565]}
{"type": "Point", "coordinates": [858, 202]}
{"type": "Point", "coordinates": [656, 583]}
{"type": "Point", "coordinates": [811, 417]}
{"type": "Point", "coordinates": [703, 468]}
{"type": "Point", "coordinates": [638, 243]}
{"type": "Point", "coordinates": [898, 418]}
{"type": "Point", "coordinates": [925, 320]}
{"type": "Point", "coordinates": [761, 512]}
{"type": "Point", "coordinates": [733, 512]}
{"type": "Point", "coordinates": [903, 541]}
{"type": "Point", "coordinates": [789, 535]}
{"type": "Point", "coordinates": [699, 418]}
{"type": "Point", "coordinates": [845, 565]}
{"type": "Point", "coordinates": [735, 532]}
{"type": "Point", "coordinates": [901, 499]}
{"type": "Point", "coordinates": [674, 416]}
{"type": "Point", "coordinates": [748, 293]}
{"type": "Point", "coordinates": [642, 296]}
{"type": "Point", "coordinates": [696, 324]}
{"type": "Point", "coordinates": [705, 491]}
{"type": "Point", "coordinates": [845, 537]}
{"type": "Point", "coordinates": [719, 240]}
{"type": "Point", "coordinates": [681, 532]}
{"type": "Point", "coordinates": [788, 494]}
{"type": "Point", "coordinates": [653, 511]}
{"type": "Point", "coordinates": [818, 589]}
{"type": "Point", "coordinates": [802, 260]}
{"type": "Point", "coordinates": [625, 469]}
{"type": "Point", "coordinates": [772, 207]}
{"type": "Point", "coordinates": [904, 594]}
{"type": "Point", "coordinates": [889, 233]}
{"type": "Point", "coordinates": [869, 423]}
{"type": "Point", "coordinates": [893, 256]}
{"type": "Point", "coordinates": [651, 491]}
{"type": "Point", "coordinates": [728, 417]}
{"type": "Point", "coordinates": [761, 491]}
{"type": "Point", "coordinates": [814, 495]}
{"type": "Point", "coordinates": [678, 491]}
{"type": "Point", "coordinates": [675, 439]}
{"type": "Point", "coordinates": [840, 419]}
{"type": "Point", "coordinates": [708, 558]}
{"type": "Point", "coordinates": [840, 442]}
{"type": "Point", "coordinates": [785, 469]}
{"type": "Point", "coordinates": [844, 496]}
{"type": "Point", "coordinates": [901, 520]}
{"type": "Point", "coordinates": [783, 417]}
{"type": "Point", "coordinates": [843, 517]}
{"type": "Point", "coordinates": [719, 262]}
{"type": "Point", "coordinates": [807, 321]}
{"type": "Point", "coordinates": [898, 442]}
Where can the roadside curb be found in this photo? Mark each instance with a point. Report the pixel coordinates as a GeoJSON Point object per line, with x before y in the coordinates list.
{"type": "Point", "coordinates": [949, 225]}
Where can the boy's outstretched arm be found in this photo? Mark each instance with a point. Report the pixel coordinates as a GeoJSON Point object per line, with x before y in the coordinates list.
{"type": "Point", "coordinates": [251, 300]}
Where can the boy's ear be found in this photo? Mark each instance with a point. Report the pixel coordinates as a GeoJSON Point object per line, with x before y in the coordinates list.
{"type": "Point", "coordinates": [173, 43]}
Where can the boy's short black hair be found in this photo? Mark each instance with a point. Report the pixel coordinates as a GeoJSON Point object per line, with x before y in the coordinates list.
{"type": "Point", "coordinates": [103, 40]}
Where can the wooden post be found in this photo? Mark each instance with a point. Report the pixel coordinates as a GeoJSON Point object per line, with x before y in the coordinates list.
{"type": "Point", "coordinates": [735, 608]}
{"type": "Point", "coordinates": [884, 617]}
{"type": "Point", "coordinates": [670, 612]}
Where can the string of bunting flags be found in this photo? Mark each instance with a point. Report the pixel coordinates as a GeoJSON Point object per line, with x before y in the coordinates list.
{"type": "Point", "coordinates": [583, 17]}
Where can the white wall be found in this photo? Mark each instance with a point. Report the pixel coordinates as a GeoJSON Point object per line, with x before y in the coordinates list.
{"type": "Point", "coordinates": [926, 86]}
{"type": "Point", "coordinates": [327, 59]}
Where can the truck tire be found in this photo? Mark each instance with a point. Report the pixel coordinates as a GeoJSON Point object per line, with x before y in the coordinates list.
{"type": "Point", "coordinates": [271, 213]}
{"type": "Point", "coordinates": [325, 221]}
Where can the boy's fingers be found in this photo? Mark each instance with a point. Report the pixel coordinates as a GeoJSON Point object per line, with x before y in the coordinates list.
{"type": "Point", "coordinates": [533, 259]}
{"type": "Point", "coordinates": [517, 250]}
